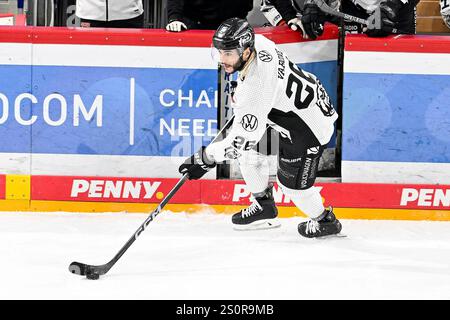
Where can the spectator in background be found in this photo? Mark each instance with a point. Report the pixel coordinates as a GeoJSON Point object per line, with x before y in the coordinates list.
{"type": "Point", "coordinates": [445, 12]}
{"type": "Point", "coordinates": [204, 14]}
{"type": "Point", "coordinates": [398, 14]}
{"type": "Point", "coordinates": [110, 13]}
{"type": "Point", "coordinates": [281, 12]}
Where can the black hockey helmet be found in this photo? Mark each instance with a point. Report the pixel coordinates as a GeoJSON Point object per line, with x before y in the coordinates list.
{"type": "Point", "coordinates": [234, 33]}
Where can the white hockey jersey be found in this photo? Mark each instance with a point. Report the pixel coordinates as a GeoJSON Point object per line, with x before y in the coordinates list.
{"type": "Point", "coordinates": [371, 5]}
{"type": "Point", "coordinates": [273, 84]}
{"type": "Point", "coordinates": [108, 10]}
{"type": "Point", "coordinates": [368, 5]}
{"type": "Point", "coordinates": [445, 11]}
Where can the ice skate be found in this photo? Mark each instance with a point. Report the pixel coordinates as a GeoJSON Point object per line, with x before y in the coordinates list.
{"type": "Point", "coordinates": [261, 214]}
{"type": "Point", "coordinates": [326, 225]}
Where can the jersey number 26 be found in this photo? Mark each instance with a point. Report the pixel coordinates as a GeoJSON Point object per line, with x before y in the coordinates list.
{"type": "Point", "coordinates": [299, 78]}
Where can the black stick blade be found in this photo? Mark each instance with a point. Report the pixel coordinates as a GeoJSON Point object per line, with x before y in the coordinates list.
{"type": "Point", "coordinates": [78, 268]}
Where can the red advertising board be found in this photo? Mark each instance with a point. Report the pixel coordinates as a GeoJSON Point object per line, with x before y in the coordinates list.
{"type": "Point", "coordinates": [106, 189]}
{"type": "Point", "coordinates": [342, 195]}
{"type": "Point", "coordinates": [399, 43]}
{"type": "Point", "coordinates": [141, 37]}
{"type": "Point", "coordinates": [224, 192]}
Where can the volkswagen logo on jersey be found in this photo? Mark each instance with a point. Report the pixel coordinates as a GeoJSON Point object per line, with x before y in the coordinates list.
{"type": "Point", "coordinates": [264, 56]}
{"type": "Point", "coordinates": [249, 122]}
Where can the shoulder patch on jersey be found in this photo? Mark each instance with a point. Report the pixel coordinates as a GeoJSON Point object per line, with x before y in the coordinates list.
{"type": "Point", "coordinates": [249, 122]}
{"type": "Point", "coordinates": [264, 56]}
{"type": "Point", "coordinates": [323, 101]}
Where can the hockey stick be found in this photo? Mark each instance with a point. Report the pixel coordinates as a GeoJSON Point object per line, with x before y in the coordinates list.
{"type": "Point", "coordinates": [370, 22]}
{"type": "Point", "coordinates": [94, 272]}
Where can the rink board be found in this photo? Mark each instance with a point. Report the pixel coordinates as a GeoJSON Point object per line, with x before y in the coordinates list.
{"type": "Point", "coordinates": [114, 102]}
{"type": "Point", "coordinates": [396, 94]}
{"type": "Point", "coordinates": [100, 194]}
{"type": "Point", "coordinates": [2, 186]}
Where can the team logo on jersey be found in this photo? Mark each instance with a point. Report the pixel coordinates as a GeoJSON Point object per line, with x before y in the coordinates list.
{"type": "Point", "coordinates": [264, 56]}
{"type": "Point", "coordinates": [249, 122]}
{"type": "Point", "coordinates": [323, 101]}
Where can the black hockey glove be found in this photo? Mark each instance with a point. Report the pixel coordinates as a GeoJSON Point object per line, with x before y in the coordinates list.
{"type": "Point", "coordinates": [313, 19]}
{"type": "Point", "coordinates": [389, 10]}
{"type": "Point", "coordinates": [197, 165]}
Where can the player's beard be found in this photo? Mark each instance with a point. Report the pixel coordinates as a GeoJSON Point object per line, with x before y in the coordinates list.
{"type": "Point", "coordinates": [238, 66]}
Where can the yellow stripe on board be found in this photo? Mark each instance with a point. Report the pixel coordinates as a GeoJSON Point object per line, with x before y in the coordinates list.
{"type": "Point", "coordinates": [14, 205]}
{"type": "Point", "coordinates": [284, 212]}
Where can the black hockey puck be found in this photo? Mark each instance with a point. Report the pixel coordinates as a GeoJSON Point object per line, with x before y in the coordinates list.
{"type": "Point", "coordinates": [92, 276]}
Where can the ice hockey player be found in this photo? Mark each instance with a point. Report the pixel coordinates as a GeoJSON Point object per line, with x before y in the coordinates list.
{"type": "Point", "coordinates": [271, 90]}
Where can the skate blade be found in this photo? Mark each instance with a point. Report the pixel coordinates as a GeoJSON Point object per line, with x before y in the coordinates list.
{"type": "Point", "coordinates": [331, 236]}
{"type": "Point", "coordinates": [258, 225]}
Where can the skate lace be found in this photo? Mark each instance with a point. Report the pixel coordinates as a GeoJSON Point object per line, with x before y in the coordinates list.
{"type": "Point", "coordinates": [312, 226]}
{"type": "Point", "coordinates": [247, 212]}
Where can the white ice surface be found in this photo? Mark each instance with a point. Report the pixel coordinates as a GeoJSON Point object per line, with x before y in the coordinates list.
{"type": "Point", "coordinates": [200, 256]}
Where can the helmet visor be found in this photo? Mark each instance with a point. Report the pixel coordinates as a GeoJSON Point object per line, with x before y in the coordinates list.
{"type": "Point", "coordinates": [225, 57]}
